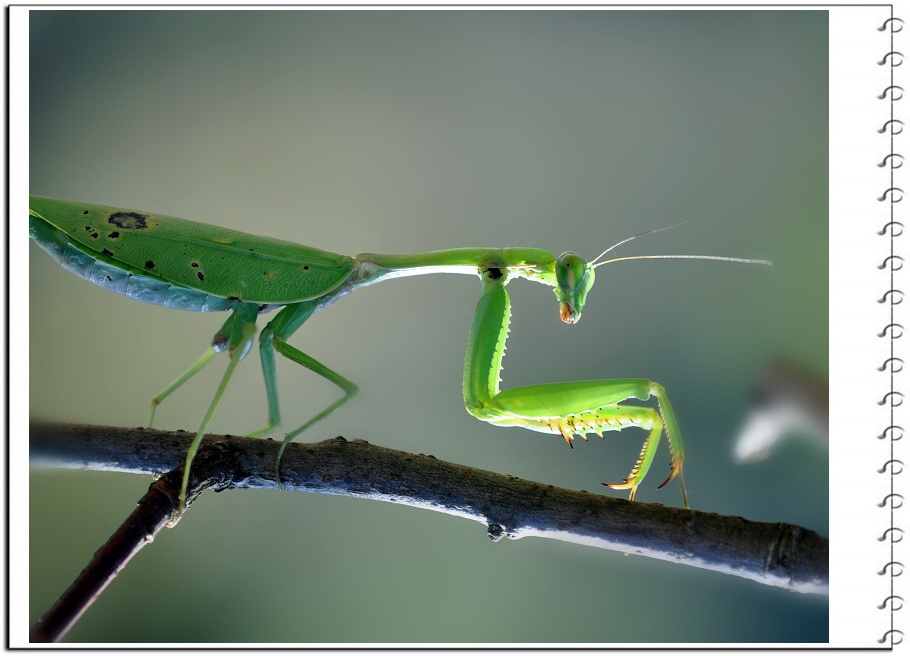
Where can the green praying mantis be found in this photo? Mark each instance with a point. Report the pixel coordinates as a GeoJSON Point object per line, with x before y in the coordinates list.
{"type": "Point", "coordinates": [193, 266]}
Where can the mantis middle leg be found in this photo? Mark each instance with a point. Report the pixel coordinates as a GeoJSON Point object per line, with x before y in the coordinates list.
{"type": "Point", "coordinates": [566, 408]}
{"type": "Point", "coordinates": [274, 338]}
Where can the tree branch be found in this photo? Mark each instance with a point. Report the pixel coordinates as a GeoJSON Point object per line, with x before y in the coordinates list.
{"type": "Point", "coordinates": [778, 554]}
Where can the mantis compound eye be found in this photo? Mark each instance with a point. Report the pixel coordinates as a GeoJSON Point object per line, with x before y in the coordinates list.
{"type": "Point", "coordinates": [573, 280]}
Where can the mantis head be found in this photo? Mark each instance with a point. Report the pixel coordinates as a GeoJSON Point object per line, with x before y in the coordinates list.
{"type": "Point", "coordinates": [575, 276]}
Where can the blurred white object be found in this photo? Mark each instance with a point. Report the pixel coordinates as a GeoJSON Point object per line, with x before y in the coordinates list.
{"type": "Point", "coordinates": [786, 402]}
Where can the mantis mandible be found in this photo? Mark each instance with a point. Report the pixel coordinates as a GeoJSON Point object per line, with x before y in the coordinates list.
{"type": "Point", "coordinates": [186, 265]}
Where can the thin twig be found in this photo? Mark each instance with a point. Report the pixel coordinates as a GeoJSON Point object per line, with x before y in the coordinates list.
{"type": "Point", "coordinates": [154, 511]}
{"type": "Point", "coordinates": [775, 554]}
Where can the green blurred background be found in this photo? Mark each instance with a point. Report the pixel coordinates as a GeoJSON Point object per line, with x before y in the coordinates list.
{"type": "Point", "coordinates": [407, 131]}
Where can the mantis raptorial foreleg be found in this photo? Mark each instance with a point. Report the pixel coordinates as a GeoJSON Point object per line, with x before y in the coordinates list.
{"type": "Point", "coordinates": [565, 408]}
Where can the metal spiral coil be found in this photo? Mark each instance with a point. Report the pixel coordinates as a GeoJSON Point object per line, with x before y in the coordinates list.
{"type": "Point", "coordinates": [892, 366]}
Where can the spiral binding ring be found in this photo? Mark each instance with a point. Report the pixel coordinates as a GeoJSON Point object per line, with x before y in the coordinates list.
{"type": "Point", "coordinates": [898, 58]}
{"type": "Point", "coordinates": [896, 637]}
{"type": "Point", "coordinates": [896, 296]}
{"type": "Point", "coordinates": [896, 535]}
{"type": "Point", "coordinates": [897, 161]}
{"type": "Point", "coordinates": [892, 602]}
{"type": "Point", "coordinates": [894, 22]}
{"type": "Point", "coordinates": [895, 565]}
{"type": "Point", "coordinates": [892, 93]}
{"type": "Point", "coordinates": [897, 263]}
{"type": "Point", "coordinates": [897, 432]}
{"type": "Point", "coordinates": [896, 126]}
{"type": "Point", "coordinates": [895, 399]}
{"type": "Point", "coordinates": [892, 195]}
{"type": "Point", "coordinates": [894, 365]}
{"type": "Point", "coordinates": [895, 328]}
{"type": "Point", "coordinates": [897, 229]}
{"type": "Point", "coordinates": [892, 467]}
{"type": "Point", "coordinates": [896, 501]}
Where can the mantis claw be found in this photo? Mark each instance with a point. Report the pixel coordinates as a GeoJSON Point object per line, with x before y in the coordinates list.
{"type": "Point", "coordinates": [625, 485]}
{"type": "Point", "coordinates": [673, 472]}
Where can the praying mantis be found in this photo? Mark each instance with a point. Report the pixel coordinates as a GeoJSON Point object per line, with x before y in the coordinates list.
{"type": "Point", "coordinates": [193, 266]}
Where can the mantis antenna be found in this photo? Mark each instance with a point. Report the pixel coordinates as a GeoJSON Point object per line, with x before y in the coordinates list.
{"type": "Point", "coordinates": [594, 263]}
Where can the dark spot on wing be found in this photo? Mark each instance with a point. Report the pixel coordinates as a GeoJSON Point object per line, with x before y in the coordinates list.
{"type": "Point", "coordinates": [149, 264]}
{"type": "Point", "coordinates": [84, 212]}
{"type": "Point", "coordinates": [129, 220]}
{"type": "Point", "coordinates": [195, 265]}
{"type": "Point", "coordinates": [114, 235]}
{"type": "Point", "coordinates": [306, 267]}
{"type": "Point", "coordinates": [104, 251]}
{"type": "Point", "coordinates": [200, 275]}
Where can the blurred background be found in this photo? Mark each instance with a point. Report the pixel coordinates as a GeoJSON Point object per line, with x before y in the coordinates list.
{"type": "Point", "coordinates": [408, 131]}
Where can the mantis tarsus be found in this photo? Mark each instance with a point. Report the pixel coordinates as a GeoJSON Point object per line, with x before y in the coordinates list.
{"type": "Point", "coordinates": [186, 265]}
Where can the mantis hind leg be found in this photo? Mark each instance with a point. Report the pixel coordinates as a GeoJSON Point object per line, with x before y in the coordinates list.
{"type": "Point", "coordinates": [274, 339]}
{"type": "Point", "coordinates": [566, 408]}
